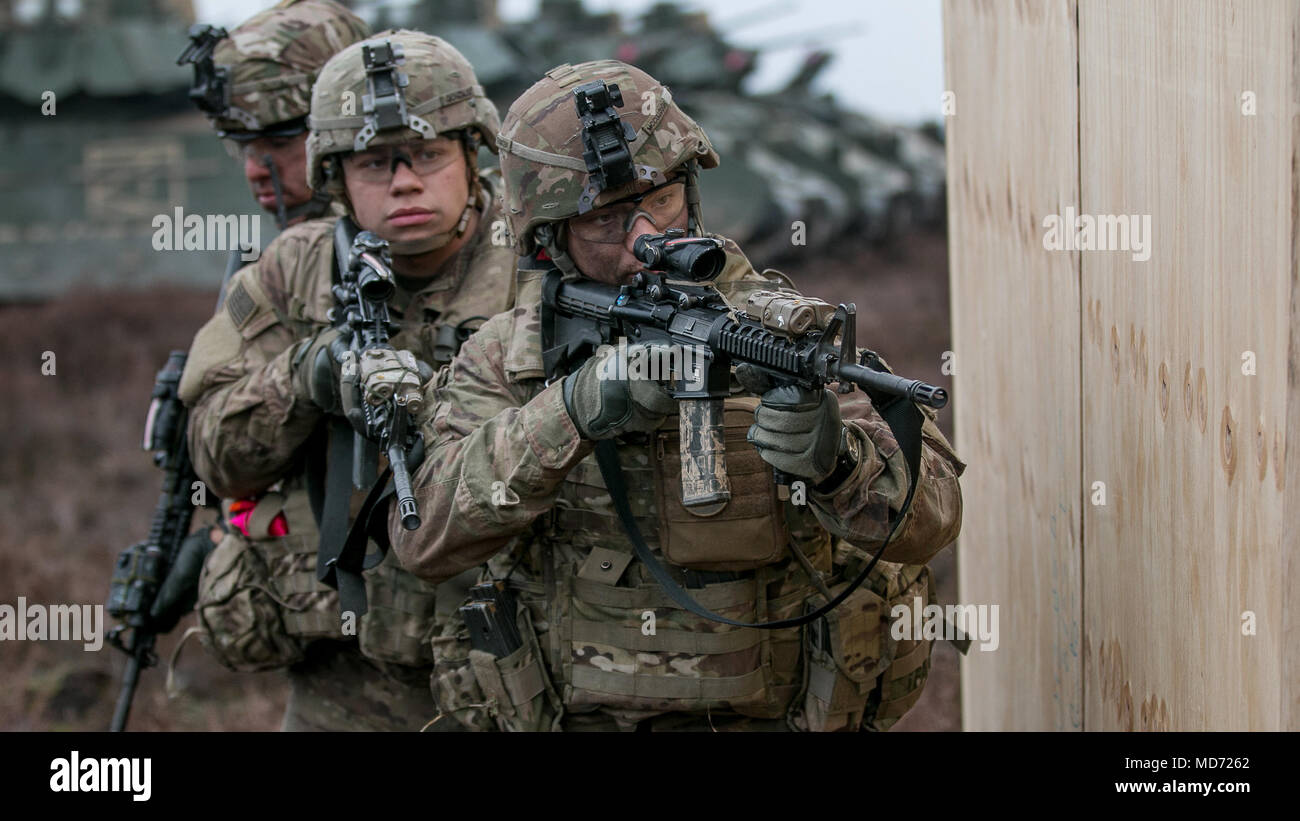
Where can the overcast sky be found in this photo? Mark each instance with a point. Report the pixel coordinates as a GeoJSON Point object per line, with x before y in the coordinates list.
{"type": "Point", "coordinates": [888, 53]}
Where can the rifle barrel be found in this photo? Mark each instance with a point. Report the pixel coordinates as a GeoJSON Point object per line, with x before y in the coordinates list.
{"type": "Point", "coordinates": [406, 507]}
{"type": "Point", "coordinates": [913, 389]}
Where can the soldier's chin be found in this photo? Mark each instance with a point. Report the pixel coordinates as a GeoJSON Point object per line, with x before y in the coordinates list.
{"type": "Point", "coordinates": [411, 233]}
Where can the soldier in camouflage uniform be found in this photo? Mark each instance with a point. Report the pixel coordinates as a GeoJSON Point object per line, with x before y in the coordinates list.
{"type": "Point", "coordinates": [510, 484]}
{"type": "Point", "coordinates": [263, 376]}
{"type": "Point", "coordinates": [255, 86]}
{"type": "Point", "coordinates": [257, 95]}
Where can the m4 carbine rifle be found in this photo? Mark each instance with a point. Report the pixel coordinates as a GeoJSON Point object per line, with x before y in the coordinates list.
{"type": "Point", "coordinates": [141, 568]}
{"type": "Point", "coordinates": [367, 285]}
{"type": "Point", "coordinates": [791, 339]}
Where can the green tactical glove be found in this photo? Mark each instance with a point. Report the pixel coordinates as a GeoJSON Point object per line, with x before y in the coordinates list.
{"type": "Point", "coordinates": [798, 431]}
{"type": "Point", "coordinates": [180, 587]}
{"type": "Point", "coordinates": [604, 401]}
{"type": "Point", "coordinates": [315, 369]}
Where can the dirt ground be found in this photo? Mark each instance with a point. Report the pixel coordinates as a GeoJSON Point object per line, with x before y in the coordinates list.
{"type": "Point", "coordinates": [75, 488]}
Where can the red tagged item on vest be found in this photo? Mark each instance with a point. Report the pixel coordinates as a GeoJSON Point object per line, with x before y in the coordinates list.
{"type": "Point", "coordinates": [242, 509]}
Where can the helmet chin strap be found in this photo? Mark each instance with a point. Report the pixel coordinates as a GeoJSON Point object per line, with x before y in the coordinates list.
{"type": "Point", "coordinates": [545, 235]}
{"type": "Point", "coordinates": [694, 212]}
{"type": "Point", "coordinates": [317, 206]}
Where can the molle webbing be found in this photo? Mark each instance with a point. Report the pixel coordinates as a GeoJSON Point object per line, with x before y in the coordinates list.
{"type": "Point", "coordinates": [655, 683]}
{"type": "Point", "coordinates": [309, 623]}
{"type": "Point", "coordinates": [650, 596]}
{"type": "Point", "coordinates": [666, 641]}
{"type": "Point", "coordinates": [677, 687]}
{"type": "Point", "coordinates": [901, 690]}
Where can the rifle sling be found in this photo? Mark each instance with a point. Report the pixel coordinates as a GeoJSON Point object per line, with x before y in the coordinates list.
{"type": "Point", "coordinates": [371, 524]}
{"type": "Point", "coordinates": [903, 418]}
{"type": "Point", "coordinates": [330, 570]}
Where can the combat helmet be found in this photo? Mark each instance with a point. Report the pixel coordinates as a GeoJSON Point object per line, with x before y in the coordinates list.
{"type": "Point", "coordinates": [398, 86]}
{"type": "Point", "coordinates": [557, 164]}
{"type": "Point", "coordinates": [256, 81]}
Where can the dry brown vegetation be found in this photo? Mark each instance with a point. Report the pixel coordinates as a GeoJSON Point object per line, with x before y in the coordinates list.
{"type": "Point", "coordinates": [75, 488]}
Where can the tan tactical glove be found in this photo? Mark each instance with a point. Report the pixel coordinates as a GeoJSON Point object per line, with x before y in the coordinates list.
{"type": "Point", "coordinates": [604, 401]}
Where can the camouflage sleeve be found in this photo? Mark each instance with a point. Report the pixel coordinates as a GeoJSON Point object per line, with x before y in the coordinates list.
{"type": "Point", "coordinates": [495, 462]}
{"type": "Point", "coordinates": [245, 422]}
{"type": "Point", "coordinates": [862, 508]}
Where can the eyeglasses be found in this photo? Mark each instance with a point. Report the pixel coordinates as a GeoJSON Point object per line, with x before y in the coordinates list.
{"type": "Point", "coordinates": [609, 224]}
{"type": "Point", "coordinates": [377, 165]}
{"type": "Point", "coordinates": [279, 147]}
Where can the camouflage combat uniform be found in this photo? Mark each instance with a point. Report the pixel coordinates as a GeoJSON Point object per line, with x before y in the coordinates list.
{"type": "Point", "coordinates": [511, 484]}
{"type": "Point", "coordinates": [496, 421]}
{"type": "Point", "coordinates": [252, 434]}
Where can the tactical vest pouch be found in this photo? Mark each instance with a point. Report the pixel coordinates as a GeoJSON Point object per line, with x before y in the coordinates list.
{"type": "Point", "coordinates": [844, 652]}
{"type": "Point", "coordinates": [399, 623]}
{"type": "Point", "coordinates": [455, 687]}
{"type": "Point", "coordinates": [238, 613]}
{"type": "Point", "coordinates": [517, 690]}
{"type": "Point", "coordinates": [311, 609]}
{"type": "Point", "coordinates": [749, 532]}
{"type": "Point", "coordinates": [903, 681]}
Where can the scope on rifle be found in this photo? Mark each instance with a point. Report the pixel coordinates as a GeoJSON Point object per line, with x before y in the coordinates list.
{"type": "Point", "coordinates": [369, 259]}
{"type": "Point", "coordinates": [699, 259]}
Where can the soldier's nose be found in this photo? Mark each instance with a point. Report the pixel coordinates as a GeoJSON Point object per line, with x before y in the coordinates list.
{"type": "Point", "coordinates": [640, 227]}
{"type": "Point", "coordinates": [254, 169]}
{"type": "Point", "coordinates": [405, 179]}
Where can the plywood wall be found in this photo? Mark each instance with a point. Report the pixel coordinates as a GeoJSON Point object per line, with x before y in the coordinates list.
{"type": "Point", "coordinates": [1182, 114]}
{"type": "Point", "coordinates": [1012, 158]}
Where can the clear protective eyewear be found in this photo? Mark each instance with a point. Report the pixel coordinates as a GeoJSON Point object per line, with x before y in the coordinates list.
{"type": "Point", "coordinates": [609, 224]}
{"type": "Point", "coordinates": [377, 166]}
{"type": "Point", "coordinates": [280, 148]}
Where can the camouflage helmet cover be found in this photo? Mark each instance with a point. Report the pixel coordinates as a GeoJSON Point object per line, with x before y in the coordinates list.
{"type": "Point", "coordinates": [541, 143]}
{"type": "Point", "coordinates": [438, 93]}
{"type": "Point", "coordinates": [272, 59]}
